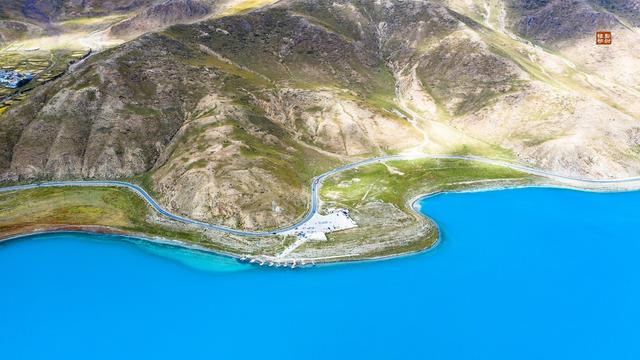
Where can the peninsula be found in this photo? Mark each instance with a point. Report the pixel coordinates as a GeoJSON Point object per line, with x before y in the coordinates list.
{"type": "Point", "coordinates": [304, 130]}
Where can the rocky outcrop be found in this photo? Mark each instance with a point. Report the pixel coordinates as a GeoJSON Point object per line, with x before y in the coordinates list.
{"type": "Point", "coordinates": [552, 21]}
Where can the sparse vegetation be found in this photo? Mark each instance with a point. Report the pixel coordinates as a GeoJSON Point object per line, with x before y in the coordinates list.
{"type": "Point", "coordinates": [54, 207]}
{"type": "Point", "coordinates": [113, 209]}
{"type": "Point", "coordinates": [245, 5]}
{"type": "Point", "coordinates": [395, 182]}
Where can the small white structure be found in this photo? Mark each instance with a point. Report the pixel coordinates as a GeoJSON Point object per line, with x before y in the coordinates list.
{"type": "Point", "coordinates": [316, 229]}
{"type": "Point", "coordinates": [319, 236]}
{"type": "Point", "coordinates": [318, 225]}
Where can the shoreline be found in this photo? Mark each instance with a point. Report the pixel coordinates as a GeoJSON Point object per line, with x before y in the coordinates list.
{"type": "Point", "coordinates": [108, 231]}
{"type": "Point", "coordinates": [300, 263]}
{"type": "Point", "coordinates": [541, 178]}
{"type": "Point", "coordinates": [260, 261]}
{"type": "Point", "coordinates": [414, 200]}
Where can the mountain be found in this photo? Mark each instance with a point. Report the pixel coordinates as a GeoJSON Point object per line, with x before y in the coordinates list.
{"type": "Point", "coordinates": [31, 19]}
{"type": "Point", "coordinates": [161, 15]}
{"type": "Point", "coordinates": [228, 118]}
{"type": "Point", "coordinates": [44, 11]}
{"type": "Point", "coordinates": [552, 21]}
{"type": "Point", "coordinates": [119, 20]}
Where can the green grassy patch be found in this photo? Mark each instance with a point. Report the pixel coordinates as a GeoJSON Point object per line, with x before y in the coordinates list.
{"type": "Point", "coordinates": [396, 181]}
{"type": "Point", "coordinates": [28, 210]}
{"type": "Point", "coordinates": [198, 164]}
{"type": "Point", "coordinates": [489, 151]}
{"type": "Point", "coordinates": [86, 82]}
{"type": "Point", "coordinates": [91, 22]}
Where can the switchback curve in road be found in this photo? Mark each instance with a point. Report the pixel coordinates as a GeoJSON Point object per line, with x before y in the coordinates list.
{"type": "Point", "coordinates": [315, 185]}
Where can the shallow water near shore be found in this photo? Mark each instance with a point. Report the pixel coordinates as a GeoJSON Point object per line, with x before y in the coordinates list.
{"type": "Point", "coordinates": [519, 274]}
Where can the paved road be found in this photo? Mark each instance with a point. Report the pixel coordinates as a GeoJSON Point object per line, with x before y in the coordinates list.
{"type": "Point", "coordinates": [315, 185]}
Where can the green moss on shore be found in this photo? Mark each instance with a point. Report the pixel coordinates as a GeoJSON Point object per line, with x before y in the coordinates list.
{"type": "Point", "coordinates": [115, 208]}
{"type": "Point", "coordinates": [395, 182]}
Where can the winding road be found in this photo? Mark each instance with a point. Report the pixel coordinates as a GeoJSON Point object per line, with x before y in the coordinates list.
{"type": "Point", "coordinates": [315, 185]}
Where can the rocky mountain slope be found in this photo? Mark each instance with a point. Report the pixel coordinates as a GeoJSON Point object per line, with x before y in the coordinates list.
{"type": "Point", "coordinates": [229, 118]}
{"type": "Point", "coordinates": [161, 15]}
{"type": "Point", "coordinates": [116, 21]}
{"type": "Point", "coordinates": [25, 19]}
{"type": "Point", "coordinates": [47, 11]}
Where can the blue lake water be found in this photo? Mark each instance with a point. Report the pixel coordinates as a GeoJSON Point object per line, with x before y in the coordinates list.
{"type": "Point", "coordinates": [519, 274]}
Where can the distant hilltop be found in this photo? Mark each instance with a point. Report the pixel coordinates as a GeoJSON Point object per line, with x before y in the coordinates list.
{"type": "Point", "coordinates": [14, 79]}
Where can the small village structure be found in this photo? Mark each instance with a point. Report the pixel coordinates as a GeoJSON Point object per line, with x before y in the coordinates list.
{"type": "Point", "coordinates": [14, 79]}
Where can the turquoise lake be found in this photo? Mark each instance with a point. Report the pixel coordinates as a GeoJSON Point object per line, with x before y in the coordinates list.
{"type": "Point", "coordinates": [519, 274]}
